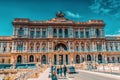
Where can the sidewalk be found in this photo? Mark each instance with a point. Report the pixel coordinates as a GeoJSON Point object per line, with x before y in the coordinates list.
{"type": "Point", "coordinates": [43, 76]}
{"type": "Point", "coordinates": [102, 74]}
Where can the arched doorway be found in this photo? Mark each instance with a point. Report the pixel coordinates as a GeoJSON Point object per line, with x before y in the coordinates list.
{"type": "Point", "coordinates": [77, 59]}
{"type": "Point", "coordinates": [31, 58]}
{"type": "Point", "coordinates": [19, 59]}
{"type": "Point", "coordinates": [88, 57]}
{"type": "Point", "coordinates": [99, 58]}
{"type": "Point", "coordinates": [60, 46]}
{"type": "Point", "coordinates": [43, 59]}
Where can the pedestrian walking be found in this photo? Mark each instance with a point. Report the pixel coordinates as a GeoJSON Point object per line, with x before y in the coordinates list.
{"type": "Point", "coordinates": [65, 70]}
{"type": "Point", "coordinates": [54, 76]}
{"type": "Point", "coordinates": [60, 71]}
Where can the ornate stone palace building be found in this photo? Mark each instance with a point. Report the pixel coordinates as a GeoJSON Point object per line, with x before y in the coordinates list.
{"type": "Point", "coordinates": [58, 41]}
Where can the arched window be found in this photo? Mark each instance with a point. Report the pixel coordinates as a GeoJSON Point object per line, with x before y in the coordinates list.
{"type": "Point", "coordinates": [43, 59]}
{"type": "Point", "coordinates": [19, 59]}
{"type": "Point", "coordinates": [118, 58]}
{"type": "Point", "coordinates": [113, 59]}
{"type": "Point", "coordinates": [99, 58]}
{"type": "Point", "coordinates": [31, 58]}
{"type": "Point", "coordinates": [3, 61]}
{"type": "Point", "coordinates": [20, 32]}
{"type": "Point", "coordinates": [108, 59]}
{"type": "Point", "coordinates": [60, 46]}
{"type": "Point", "coordinates": [77, 59]}
{"type": "Point", "coordinates": [88, 57]}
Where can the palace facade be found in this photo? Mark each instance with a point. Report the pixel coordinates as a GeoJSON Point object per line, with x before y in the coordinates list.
{"type": "Point", "coordinates": [58, 41]}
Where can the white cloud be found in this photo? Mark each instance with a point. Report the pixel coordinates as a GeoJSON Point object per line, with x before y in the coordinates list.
{"type": "Point", "coordinates": [106, 7]}
{"type": "Point", "coordinates": [73, 15]}
{"type": "Point", "coordinates": [116, 34]}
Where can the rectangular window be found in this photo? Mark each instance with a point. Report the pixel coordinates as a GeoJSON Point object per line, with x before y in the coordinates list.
{"type": "Point", "coordinates": [76, 34]}
{"type": "Point", "coordinates": [82, 34]}
{"type": "Point", "coordinates": [87, 34]}
{"type": "Point", "coordinates": [38, 34]}
{"type": "Point", "coordinates": [31, 34]}
{"type": "Point", "coordinates": [43, 34]}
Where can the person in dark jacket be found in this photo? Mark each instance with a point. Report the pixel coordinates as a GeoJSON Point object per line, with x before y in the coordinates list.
{"type": "Point", "coordinates": [65, 70]}
{"type": "Point", "coordinates": [60, 71]}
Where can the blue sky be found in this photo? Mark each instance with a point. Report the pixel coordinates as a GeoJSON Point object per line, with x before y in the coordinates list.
{"type": "Point", "coordinates": [78, 10]}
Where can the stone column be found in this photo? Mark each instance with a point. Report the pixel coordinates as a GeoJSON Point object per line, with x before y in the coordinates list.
{"type": "Point", "coordinates": [84, 33]}
{"type": "Point", "coordinates": [63, 32]}
{"type": "Point", "coordinates": [1, 48]}
{"type": "Point", "coordinates": [85, 47]}
{"type": "Point", "coordinates": [34, 47]}
{"type": "Point", "coordinates": [118, 44]}
{"type": "Point", "coordinates": [57, 33]}
{"type": "Point", "coordinates": [48, 47]}
{"type": "Point", "coordinates": [34, 32]}
{"type": "Point", "coordinates": [92, 46]}
{"type": "Point", "coordinates": [113, 46]}
{"type": "Point", "coordinates": [41, 32]}
{"type": "Point", "coordinates": [79, 32]}
{"type": "Point", "coordinates": [57, 57]}
{"type": "Point", "coordinates": [64, 59]}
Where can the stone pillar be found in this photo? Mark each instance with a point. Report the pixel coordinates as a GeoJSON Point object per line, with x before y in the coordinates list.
{"type": "Point", "coordinates": [85, 47]}
{"type": "Point", "coordinates": [48, 47]}
{"type": "Point", "coordinates": [34, 47]}
{"type": "Point", "coordinates": [41, 32]}
{"type": "Point", "coordinates": [84, 33]}
{"type": "Point", "coordinates": [118, 44]}
{"type": "Point", "coordinates": [64, 58]}
{"type": "Point", "coordinates": [1, 48]}
{"type": "Point", "coordinates": [79, 32]}
{"type": "Point", "coordinates": [113, 46]}
{"type": "Point", "coordinates": [92, 46]}
{"type": "Point", "coordinates": [63, 32]}
{"type": "Point", "coordinates": [57, 59]}
{"type": "Point", "coordinates": [57, 33]}
{"type": "Point", "coordinates": [34, 32]}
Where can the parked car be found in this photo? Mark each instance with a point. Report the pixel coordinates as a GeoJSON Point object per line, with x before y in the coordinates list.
{"type": "Point", "coordinates": [71, 69]}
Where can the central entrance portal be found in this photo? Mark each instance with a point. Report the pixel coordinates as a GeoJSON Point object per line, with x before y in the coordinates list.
{"type": "Point", "coordinates": [61, 59]}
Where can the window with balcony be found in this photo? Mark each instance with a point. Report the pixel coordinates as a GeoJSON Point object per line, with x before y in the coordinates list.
{"type": "Point", "coordinates": [20, 32]}
{"type": "Point", "coordinates": [116, 48]}
{"type": "Point", "coordinates": [60, 33]}
{"type": "Point", "coordinates": [31, 49]}
{"type": "Point", "coordinates": [81, 34]}
{"type": "Point", "coordinates": [38, 34]}
{"type": "Point", "coordinates": [77, 48]}
{"type": "Point", "coordinates": [99, 47]}
{"type": "Point", "coordinates": [54, 33]}
{"type": "Point", "coordinates": [31, 34]}
{"type": "Point", "coordinates": [87, 35]}
{"type": "Point", "coordinates": [44, 34]}
{"type": "Point", "coordinates": [97, 33]}
{"type": "Point", "coordinates": [76, 34]}
{"type": "Point", "coordinates": [66, 33]}
{"type": "Point", "coordinates": [20, 48]}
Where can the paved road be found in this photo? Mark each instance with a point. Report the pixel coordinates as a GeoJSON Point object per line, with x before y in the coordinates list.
{"type": "Point", "coordinates": [88, 76]}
